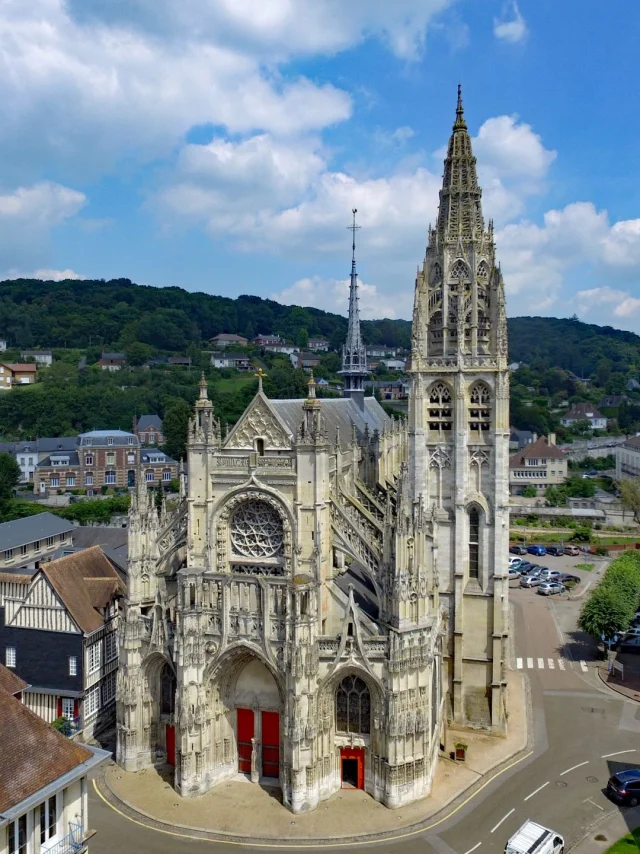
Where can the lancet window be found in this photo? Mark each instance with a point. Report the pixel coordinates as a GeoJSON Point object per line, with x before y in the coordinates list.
{"type": "Point", "coordinates": [474, 542]}
{"type": "Point", "coordinates": [479, 408]}
{"type": "Point", "coordinates": [353, 706]}
{"type": "Point", "coordinates": [167, 691]}
{"type": "Point", "coordinates": [436, 274]}
{"type": "Point", "coordinates": [483, 270]}
{"type": "Point", "coordinates": [440, 408]}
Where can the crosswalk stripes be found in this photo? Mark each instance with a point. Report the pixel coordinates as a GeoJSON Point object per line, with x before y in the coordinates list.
{"type": "Point", "coordinates": [550, 664]}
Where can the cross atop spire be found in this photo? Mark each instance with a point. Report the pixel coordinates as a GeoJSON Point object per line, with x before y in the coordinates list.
{"type": "Point", "coordinates": [354, 354]}
{"type": "Point", "coordinates": [459, 123]}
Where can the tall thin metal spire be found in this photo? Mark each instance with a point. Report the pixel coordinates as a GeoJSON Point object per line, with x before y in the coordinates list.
{"type": "Point", "coordinates": [354, 355]}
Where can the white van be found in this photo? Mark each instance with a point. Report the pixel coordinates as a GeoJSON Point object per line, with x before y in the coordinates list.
{"type": "Point", "coordinates": [533, 838]}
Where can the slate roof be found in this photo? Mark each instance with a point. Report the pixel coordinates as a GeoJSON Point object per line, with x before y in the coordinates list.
{"type": "Point", "coordinates": [84, 581]}
{"type": "Point", "coordinates": [158, 458]}
{"type": "Point", "coordinates": [540, 449]}
{"type": "Point", "coordinates": [633, 442]}
{"type": "Point", "coordinates": [149, 422]}
{"type": "Point", "coordinates": [364, 593]}
{"type": "Point", "coordinates": [20, 532]}
{"type": "Point", "coordinates": [339, 413]}
{"type": "Point", "coordinates": [99, 438]}
{"type": "Point", "coordinates": [10, 681]}
{"type": "Point", "coordinates": [34, 754]}
{"type": "Point", "coordinates": [62, 443]}
{"type": "Point", "coordinates": [74, 460]}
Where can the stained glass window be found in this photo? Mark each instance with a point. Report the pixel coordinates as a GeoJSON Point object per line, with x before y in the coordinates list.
{"type": "Point", "coordinates": [353, 706]}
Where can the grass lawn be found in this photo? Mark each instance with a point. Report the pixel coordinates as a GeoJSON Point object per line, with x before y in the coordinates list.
{"type": "Point", "coordinates": [629, 844]}
{"type": "Point", "coordinates": [587, 567]}
{"type": "Point", "coordinates": [233, 384]}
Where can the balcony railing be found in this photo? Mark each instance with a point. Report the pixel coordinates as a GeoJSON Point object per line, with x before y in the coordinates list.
{"type": "Point", "coordinates": [72, 843]}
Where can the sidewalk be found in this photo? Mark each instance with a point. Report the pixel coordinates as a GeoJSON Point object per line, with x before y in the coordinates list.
{"type": "Point", "coordinates": [630, 687]}
{"type": "Point", "coordinates": [612, 827]}
{"type": "Point", "coordinates": [242, 810]}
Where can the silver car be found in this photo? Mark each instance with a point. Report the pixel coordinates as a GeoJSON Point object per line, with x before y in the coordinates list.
{"type": "Point", "coordinates": [531, 581]}
{"type": "Point", "coordinates": [548, 588]}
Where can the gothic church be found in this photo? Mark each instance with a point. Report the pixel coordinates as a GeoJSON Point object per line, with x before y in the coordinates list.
{"type": "Point", "coordinates": [331, 591]}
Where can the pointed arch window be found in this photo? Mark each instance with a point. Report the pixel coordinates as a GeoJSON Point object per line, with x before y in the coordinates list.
{"type": "Point", "coordinates": [459, 270]}
{"type": "Point", "coordinates": [474, 542]}
{"type": "Point", "coordinates": [483, 270]}
{"type": "Point", "coordinates": [353, 706]}
{"type": "Point", "coordinates": [479, 408]}
{"type": "Point", "coordinates": [167, 691]}
{"type": "Point", "coordinates": [440, 408]}
{"type": "Point", "coordinates": [436, 273]}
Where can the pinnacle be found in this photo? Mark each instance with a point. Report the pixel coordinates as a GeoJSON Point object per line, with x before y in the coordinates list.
{"type": "Point", "coordinates": [459, 123]}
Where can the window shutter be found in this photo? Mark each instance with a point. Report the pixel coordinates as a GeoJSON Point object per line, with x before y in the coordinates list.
{"type": "Point", "coordinates": [75, 708]}
{"type": "Point", "coordinates": [59, 707]}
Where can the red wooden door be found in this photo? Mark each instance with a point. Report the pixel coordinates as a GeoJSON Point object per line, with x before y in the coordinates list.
{"type": "Point", "coordinates": [353, 754]}
{"type": "Point", "coordinates": [245, 734]}
{"type": "Point", "coordinates": [170, 738]}
{"type": "Point", "coordinates": [270, 744]}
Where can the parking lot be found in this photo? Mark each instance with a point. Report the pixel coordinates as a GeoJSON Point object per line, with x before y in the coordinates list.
{"type": "Point", "coordinates": [570, 564]}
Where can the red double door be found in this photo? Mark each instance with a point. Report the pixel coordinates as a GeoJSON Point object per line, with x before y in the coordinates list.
{"type": "Point", "coordinates": [352, 767]}
{"type": "Point", "coordinates": [270, 741]}
{"type": "Point", "coordinates": [170, 740]}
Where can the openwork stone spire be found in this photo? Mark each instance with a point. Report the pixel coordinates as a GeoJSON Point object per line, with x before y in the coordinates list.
{"type": "Point", "coordinates": [354, 355]}
{"type": "Point", "coordinates": [459, 288]}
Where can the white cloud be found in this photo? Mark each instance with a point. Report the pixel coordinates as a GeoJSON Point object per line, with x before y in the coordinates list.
{"type": "Point", "coordinates": [84, 82]}
{"type": "Point", "coordinates": [27, 217]}
{"type": "Point", "coordinates": [333, 295]}
{"type": "Point", "coordinates": [55, 275]}
{"type": "Point", "coordinates": [511, 27]}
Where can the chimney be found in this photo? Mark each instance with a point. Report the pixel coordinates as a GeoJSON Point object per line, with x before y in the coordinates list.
{"type": "Point", "coordinates": [535, 438]}
{"type": "Point", "coordinates": [552, 439]}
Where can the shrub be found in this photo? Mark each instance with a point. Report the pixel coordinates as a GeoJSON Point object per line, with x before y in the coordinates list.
{"type": "Point", "coordinates": [602, 551]}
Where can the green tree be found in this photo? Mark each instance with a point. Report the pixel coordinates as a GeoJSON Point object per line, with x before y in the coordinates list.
{"type": "Point", "coordinates": [530, 491]}
{"type": "Point", "coordinates": [10, 474]}
{"type": "Point", "coordinates": [630, 497]}
{"type": "Point", "coordinates": [612, 604]}
{"type": "Point", "coordinates": [176, 425]}
{"type": "Point", "coordinates": [302, 339]}
{"type": "Point", "coordinates": [138, 353]}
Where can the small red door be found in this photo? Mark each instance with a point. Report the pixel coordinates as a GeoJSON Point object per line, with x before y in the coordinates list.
{"type": "Point", "coordinates": [245, 734]}
{"type": "Point", "coordinates": [270, 744]}
{"type": "Point", "coordinates": [352, 767]}
{"type": "Point", "coordinates": [170, 738]}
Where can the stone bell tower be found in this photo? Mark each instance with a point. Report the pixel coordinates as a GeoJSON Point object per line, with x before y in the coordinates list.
{"type": "Point", "coordinates": [459, 434]}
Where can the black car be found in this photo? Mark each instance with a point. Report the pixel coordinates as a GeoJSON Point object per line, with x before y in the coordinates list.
{"type": "Point", "coordinates": [624, 787]}
{"type": "Point", "coordinates": [529, 568]}
{"type": "Point", "coordinates": [518, 550]}
{"type": "Point", "coordinates": [556, 551]}
{"type": "Point", "coordinates": [566, 577]}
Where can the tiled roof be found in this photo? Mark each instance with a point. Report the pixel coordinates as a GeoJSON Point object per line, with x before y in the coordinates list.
{"type": "Point", "coordinates": [633, 442]}
{"type": "Point", "coordinates": [583, 411]}
{"type": "Point", "coordinates": [540, 449]}
{"type": "Point", "coordinates": [22, 367]}
{"type": "Point", "coordinates": [10, 681]}
{"type": "Point", "coordinates": [20, 532]}
{"type": "Point", "coordinates": [33, 753]}
{"type": "Point", "coordinates": [15, 578]}
{"type": "Point", "coordinates": [74, 580]}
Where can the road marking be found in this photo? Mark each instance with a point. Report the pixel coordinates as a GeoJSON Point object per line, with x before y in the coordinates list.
{"type": "Point", "coordinates": [584, 667]}
{"type": "Point", "coordinates": [539, 789]}
{"type": "Point", "coordinates": [561, 664]}
{"type": "Point", "coordinates": [519, 663]}
{"type": "Point", "coordinates": [503, 819]}
{"type": "Point", "coordinates": [594, 803]}
{"type": "Point", "coordinates": [474, 848]}
{"type": "Point", "coordinates": [340, 844]}
{"type": "Point", "coordinates": [573, 767]}
{"type": "Point", "coordinates": [618, 753]}
{"type": "Point", "coordinates": [550, 663]}
{"type": "Point", "coordinates": [529, 663]}
{"type": "Point", "coordinates": [541, 664]}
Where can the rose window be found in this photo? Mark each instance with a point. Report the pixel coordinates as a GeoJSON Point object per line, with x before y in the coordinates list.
{"type": "Point", "coordinates": [256, 530]}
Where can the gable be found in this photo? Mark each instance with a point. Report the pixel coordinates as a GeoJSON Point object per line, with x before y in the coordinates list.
{"type": "Point", "coordinates": [259, 421]}
{"type": "Point", "coordinates": [40, 609]}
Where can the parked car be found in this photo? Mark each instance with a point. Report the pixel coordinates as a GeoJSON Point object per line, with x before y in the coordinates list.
{"type": "Point", "coordinates": [515, 561]}
{"type": "Point", "coordinates": [550, 574]}
{"type": "Point", "coordinates": [531, 581]}
{"type": "Point", "coordinates": [573, 551]}
{"type": "Point", "coordinates": [628, 644]}
{"type": "Point", "coordinates": [624, 787]}
{"type": "Point", "coordinates": [539, 551]}
{"type": "Point", "coordinates": [514, 573]}
{"type": "Point", "coordinates": [556, 551]}
{"type": "Point", "coordinates": [529, 569]}
{"type": "Point", "coordinates": [548, 588]}
{"type": "Point", "coordinates": [566, 578]}
{"type": "Point", "coordinates": [518, 550]}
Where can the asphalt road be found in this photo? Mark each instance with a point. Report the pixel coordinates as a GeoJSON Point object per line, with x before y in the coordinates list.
{"type": "Point", "coordinates": [583, 735]}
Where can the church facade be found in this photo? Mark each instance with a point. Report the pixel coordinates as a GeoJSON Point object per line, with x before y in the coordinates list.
{"type": "Point", "coordinates": [330, 590]}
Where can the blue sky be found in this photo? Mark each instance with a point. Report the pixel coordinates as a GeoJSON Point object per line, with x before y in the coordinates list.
{"type": "Point", "coordinates": [219, 145]}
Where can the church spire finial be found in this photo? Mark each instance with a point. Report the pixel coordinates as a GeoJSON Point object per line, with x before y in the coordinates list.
{"type": "Point", "coordinates": [261, 375]}
{"type": "Point", "coordinates": [354, 354]}
{"type": "Point", "coordinates": [459, 122]}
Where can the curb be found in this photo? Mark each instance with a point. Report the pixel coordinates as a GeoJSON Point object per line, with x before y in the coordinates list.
{"type": "Point", "coordinates": [426, 823]}
{"type": "Point", "coordinates": [617, 691]}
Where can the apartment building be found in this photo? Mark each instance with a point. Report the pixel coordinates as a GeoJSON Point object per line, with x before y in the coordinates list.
{"type": "Point", "coordinates": [628, 459]}
{"type": "Point", "coordinates": [24, 543]}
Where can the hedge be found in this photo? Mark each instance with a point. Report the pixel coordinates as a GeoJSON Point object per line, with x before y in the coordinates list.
{"type": "Point", "coordinates": [612, 605]}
